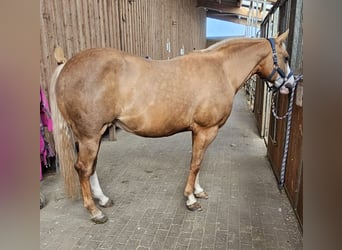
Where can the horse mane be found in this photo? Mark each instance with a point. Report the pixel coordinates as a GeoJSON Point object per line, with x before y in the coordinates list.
{"type": "Point", "coordinates": [229, 42]}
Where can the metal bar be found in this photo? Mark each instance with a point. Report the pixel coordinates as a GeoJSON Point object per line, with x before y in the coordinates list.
{"type": "Point", "coordinates": [273, 9]}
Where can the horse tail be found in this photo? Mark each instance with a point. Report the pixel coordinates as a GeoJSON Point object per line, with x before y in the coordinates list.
{"type": "Point", "coordinates": [64, 142]}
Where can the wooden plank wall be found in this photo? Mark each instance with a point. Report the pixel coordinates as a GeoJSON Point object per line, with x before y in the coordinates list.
{"type": "Point", "coordinates": [290, 16]}
{"type": "Point", "coordinates": [140, 27]}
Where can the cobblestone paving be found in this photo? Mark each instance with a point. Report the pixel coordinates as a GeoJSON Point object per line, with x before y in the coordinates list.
{"type": "Point", "coordinates": [145, 177]}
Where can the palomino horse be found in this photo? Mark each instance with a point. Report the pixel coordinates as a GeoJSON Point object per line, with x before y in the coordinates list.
{"type": "Point", "coordinates": [100, 87]}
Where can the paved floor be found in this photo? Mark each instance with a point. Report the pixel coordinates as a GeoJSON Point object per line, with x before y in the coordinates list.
{"type": "Point", "coordinates": [146, 177]}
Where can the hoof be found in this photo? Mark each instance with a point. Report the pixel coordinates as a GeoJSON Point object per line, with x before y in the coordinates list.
{"type": "Point", "coordinates": [202, 195]}
{"type": "Point", "coordinates": [99, 219]}
{"type": "Point", "coordinates": [109, 203]}
{"type": "Point", "coordinates": [194, 207]}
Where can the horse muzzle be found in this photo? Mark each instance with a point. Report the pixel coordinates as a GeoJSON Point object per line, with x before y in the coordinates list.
{"type": "Point", "coordinates": [288, 85]}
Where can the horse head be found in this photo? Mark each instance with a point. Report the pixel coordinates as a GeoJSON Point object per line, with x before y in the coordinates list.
{"type": "Point", "coordinates": [275, 68]}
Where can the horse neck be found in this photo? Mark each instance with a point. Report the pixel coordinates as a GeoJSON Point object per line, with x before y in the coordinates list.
{"type": "Point", "coordinates": [242, 59]}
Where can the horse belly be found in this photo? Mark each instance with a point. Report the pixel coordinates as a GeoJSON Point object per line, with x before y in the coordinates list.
{"type": "Point", "coordinates": [154, 124]}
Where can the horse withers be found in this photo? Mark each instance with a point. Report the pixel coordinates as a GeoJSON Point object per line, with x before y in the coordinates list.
{"type": "Point", "coordinates": [153, 98]}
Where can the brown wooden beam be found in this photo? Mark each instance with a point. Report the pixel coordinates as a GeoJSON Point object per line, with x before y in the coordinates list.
{"type": "Point", "coordinates": [222, 8]}
{"type": "Point", "coordinates": [230, 18]}
{"type": "Point", "coordinates": [215, 5]}
{"type": "Point", "coordinates": [242, 13]}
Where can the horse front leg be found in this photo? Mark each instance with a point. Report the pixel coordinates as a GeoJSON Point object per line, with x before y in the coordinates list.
{"type": "Point", "coordinates": [199, 191]}
{"type": "Point", "coordinates": [85, 167]}
{"type": "Point", "coordinates": [201, 138]}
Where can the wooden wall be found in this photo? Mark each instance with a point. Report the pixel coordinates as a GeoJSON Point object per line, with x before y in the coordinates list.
{"type": "Point", "coordinates": [141, 27]}
{"type": "Point", "coordinates": [286, 14]}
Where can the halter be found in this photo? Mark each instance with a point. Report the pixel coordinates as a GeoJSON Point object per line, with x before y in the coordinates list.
{"type": "Point", "coordinates": [277, 69]}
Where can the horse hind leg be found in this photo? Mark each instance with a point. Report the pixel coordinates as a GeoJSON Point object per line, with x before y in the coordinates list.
{"type": "Point", "coordinates": [201, 138]}
{"type": "Point", "coordinates": [98, 194]}
{"type": "Point", "coordinates": [85, 167]}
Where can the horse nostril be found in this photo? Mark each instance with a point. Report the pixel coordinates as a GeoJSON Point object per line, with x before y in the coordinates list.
{"type": "Point", "coordinates": [289, 85]}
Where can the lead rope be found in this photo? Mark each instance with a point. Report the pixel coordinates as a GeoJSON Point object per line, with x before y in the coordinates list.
{"type": "Point", "coordinates": [288, 128]}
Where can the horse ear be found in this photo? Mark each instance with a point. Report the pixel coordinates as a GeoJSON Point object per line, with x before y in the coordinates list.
{"type": "Point", "coordinates": [283, 36]}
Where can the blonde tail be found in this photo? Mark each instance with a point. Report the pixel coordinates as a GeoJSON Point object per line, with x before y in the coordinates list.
{"type": "Point", "coordinates": [64, 142]}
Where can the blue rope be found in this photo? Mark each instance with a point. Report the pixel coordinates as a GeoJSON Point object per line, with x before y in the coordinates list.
{"type": "Point", "coordinates": [288, 128]}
